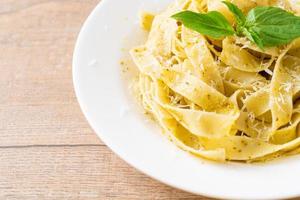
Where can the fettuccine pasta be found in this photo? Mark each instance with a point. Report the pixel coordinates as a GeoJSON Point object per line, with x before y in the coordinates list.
{"type": "Point", "coordinates": [220, 99]}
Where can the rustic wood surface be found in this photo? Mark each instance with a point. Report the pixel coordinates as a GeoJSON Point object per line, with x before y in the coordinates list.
{"type": "Point", "coordinates": [47, 149]}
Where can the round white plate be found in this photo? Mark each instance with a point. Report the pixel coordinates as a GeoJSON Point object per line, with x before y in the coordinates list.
{"type": "Point", "coordinates": [104, 99]}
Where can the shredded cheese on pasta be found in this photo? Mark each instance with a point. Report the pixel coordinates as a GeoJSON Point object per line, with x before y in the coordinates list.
{"type": "Point", "coordinates": [221, 100]}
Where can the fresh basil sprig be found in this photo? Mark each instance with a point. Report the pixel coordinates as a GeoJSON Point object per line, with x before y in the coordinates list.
{"type": "Point", "coordinates": [266, 26]}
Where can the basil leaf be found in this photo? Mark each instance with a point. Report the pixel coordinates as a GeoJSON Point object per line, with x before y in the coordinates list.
{"type": "Point", "coordinates": [274, 26]}
{"type": "Point", "coordinates": [238, 14]}
{"type": "Point", "coordinates": [253, 37]}
{"type": "Point", "coordinates": [212, 24]}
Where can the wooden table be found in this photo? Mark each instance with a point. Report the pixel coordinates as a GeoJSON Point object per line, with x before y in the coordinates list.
{"type": "Point", "coordinates": [47, 149]}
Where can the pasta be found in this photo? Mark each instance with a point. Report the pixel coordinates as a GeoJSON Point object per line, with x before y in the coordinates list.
{"type": "Point", "coordinates": [220, 99]}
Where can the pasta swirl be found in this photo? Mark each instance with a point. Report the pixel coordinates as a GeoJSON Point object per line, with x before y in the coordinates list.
{"type": "Point", "coordinates": [219, 99]}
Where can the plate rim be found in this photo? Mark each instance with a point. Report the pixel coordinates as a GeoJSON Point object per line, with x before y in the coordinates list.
{"type": "Point", "coordinates": [82, 105]}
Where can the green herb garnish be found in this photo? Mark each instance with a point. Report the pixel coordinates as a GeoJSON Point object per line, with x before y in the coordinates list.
{"type": "Point", "coordinates": [213, 23]}
{"type": "Point", "coordinates": [266, 26]}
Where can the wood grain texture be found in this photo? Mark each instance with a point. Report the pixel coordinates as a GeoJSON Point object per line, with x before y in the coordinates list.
{"type": "Point", "coordinates": [47, 149]}
{"type": "Point", "coordinates": [37, 102]}
{"type": "Point", "coordinates": [82, 172]}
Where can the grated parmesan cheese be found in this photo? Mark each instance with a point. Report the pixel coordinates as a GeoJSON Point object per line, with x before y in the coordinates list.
{"type": "Point", "coordinates": [268, 71]}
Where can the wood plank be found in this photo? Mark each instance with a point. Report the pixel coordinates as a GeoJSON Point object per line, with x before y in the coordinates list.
{"type": "Point", "coordinates": [44, 125]}
{"type": "Point", "coordinates": [80, 172]}
{"type": "Point", "coordinates": [37, 101]}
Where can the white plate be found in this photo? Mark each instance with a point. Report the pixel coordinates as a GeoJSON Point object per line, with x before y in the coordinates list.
{"type": "Point", "coordinates": [104, 99]}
